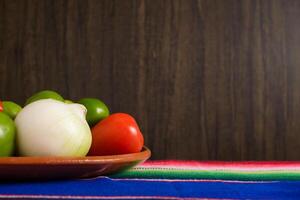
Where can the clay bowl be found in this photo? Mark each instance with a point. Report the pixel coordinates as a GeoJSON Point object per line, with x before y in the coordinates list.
{"type": "Point", "coordinates": [46, 168]}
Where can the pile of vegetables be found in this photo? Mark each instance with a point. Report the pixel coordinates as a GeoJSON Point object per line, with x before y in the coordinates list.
{"type": "Point", "coordinates": [49, 125]}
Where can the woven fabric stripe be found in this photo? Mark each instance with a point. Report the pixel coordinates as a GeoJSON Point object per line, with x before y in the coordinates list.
{"type": "Point", "coordinates": [247, 171]}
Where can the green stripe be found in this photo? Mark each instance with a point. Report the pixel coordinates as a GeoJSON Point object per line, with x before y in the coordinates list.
{"type": "Point", "coordinates": [206, 174]}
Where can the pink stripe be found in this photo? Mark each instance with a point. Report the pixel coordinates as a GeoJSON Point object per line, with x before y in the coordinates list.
{"type": "Point", "coordinates": [219, 165]}
{"type": "Point", "coordinates": [16, 196]}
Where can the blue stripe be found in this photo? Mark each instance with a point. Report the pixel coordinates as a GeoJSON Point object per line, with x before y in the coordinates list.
{"type": "Point", "coordinates": [108, 187]}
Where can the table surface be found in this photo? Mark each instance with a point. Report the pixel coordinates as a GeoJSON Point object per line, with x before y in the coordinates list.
{"type": "Point", "coordinates": [173, 180]}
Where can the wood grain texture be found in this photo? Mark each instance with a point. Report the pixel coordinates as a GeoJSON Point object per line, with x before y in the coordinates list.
{"type": "Point", "coordinates": [207, 79]}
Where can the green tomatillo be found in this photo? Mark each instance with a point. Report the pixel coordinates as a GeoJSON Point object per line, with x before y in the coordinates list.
{"type": "Point", "coordinates": [7, 135]}
{"type": "Point", "coordinates": [11, 109]}
{"type": "Point", "coordinates": [45, 94]}
{"type": "Point", "coordinates": [96, 110]}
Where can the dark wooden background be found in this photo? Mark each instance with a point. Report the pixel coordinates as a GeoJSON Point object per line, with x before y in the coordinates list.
{"type": "Point", "coordinates": [208, 79]}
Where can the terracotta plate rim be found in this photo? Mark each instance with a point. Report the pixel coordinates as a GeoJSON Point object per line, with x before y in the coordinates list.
{"type": "Point", "coordinates": [140, 156]}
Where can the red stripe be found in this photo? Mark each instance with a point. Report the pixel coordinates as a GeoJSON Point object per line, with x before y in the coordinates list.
{"type": "Point", "coordinates": [280, 165]}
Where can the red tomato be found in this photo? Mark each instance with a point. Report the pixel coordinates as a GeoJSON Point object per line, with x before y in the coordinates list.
{"type": "Point", "coordinates": [116, 134]}
{"type": "Point", "coordinates": [1, 106]}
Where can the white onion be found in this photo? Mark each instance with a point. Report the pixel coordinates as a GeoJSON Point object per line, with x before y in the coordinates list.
{"type": "Point", "coordinates": [51, 128]}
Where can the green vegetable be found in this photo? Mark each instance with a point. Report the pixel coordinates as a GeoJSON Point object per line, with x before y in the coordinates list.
{"type": "Point", "coordinates": [68, 101]}
{"type": "Point", "coordinates": [7, 135]}
{"type": "Point", "coordinates": [11, 109]}
{"type": "Point", "coordinates": [96, 110]}
{"type": "Point", "coordinates": [45, 94]}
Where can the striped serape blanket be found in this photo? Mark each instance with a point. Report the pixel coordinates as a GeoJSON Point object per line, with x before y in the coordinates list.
{"type": "Point", "coordinates": [173, 180]}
